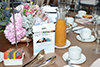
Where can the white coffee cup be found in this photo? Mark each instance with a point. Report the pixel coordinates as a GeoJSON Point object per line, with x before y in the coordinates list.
{"type": "Point", "coordinates": [86, 33]}
{"type": "Point", "coordinates": [81, 13]}
{"type": "Point", "coordinates": [69, 20]}
{"type": "Point", "coordinates": [74, 52]}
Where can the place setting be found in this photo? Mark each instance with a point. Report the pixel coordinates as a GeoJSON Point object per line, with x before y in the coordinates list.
{"type": "Point", "coordinates": [85, 35]}
{"type": "Point", "coordinates": [83, 15]}
{"type": "Point", "coordinates": [74, 56]}
{"type": "Point", "coordinates": [70, 23]}
{"type": "Point", "coordinates": [70, 20]}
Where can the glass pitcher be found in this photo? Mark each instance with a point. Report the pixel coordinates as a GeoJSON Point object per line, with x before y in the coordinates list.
{"type": "Point", "coordinates": [60, 28]}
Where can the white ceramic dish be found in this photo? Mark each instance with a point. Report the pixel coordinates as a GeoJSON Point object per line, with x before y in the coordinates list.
{"type": "Point", "coordinates": [90, 40]}
{"type": "Point", "coordinates": [72, 65]}
{"type": "Point", "coordinates": [84, 18]}
{"type": "Point", "coordinates": [80, 61]}
{"type": "Point", "coordinates": [74, 25]}
{"type": "Point", "coordinates": [68, 43]}
{"type": "Point", "coordinates": [1, 56]}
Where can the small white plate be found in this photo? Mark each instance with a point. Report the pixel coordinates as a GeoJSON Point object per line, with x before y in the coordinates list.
{"type": "Point", "coordinates": [84, 18]}
{"type": "Point", "coordinates": [68, 43]}
{"type": "Point", "coordinates": [78, 27]}
{"type": "Point", "coordinates": [74, 25]}
{"type": "Point", "coordinates": [72, 65]}
{"type": "Point", "coordinates": [1, 56]}
{"type": "Point", "coordinates": [81, 60]}
{"type": "Point", "coordinates": [90, 40]}
{"type": "Point", "coordinates": [77, 15]}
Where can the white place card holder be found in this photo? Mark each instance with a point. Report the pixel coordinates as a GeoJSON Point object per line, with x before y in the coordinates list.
{"type": "Point", "coordinates": [44, 38]}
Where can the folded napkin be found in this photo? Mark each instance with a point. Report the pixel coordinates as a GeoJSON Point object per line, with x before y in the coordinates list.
{"type": "Point", "coordinates": [96, 63]}
{"type": "Point", "coordinates": [49, 11]}
{"type": "Point", "coordinates": [48, 8]}
{"type": "Point", "coordinates": [82, 21]}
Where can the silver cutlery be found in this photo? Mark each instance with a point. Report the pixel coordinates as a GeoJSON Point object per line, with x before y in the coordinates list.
{"type": "Point", "coordinates": [78, 29]}
{"type": "Point", "coordinates": [47, 62]}
{"type": "Point", "coordinates": [81, 37]}
{"type": "Point", "coordinates": [52, 12]}
{"type": "Point", "coordinates": [68, 62]}
{"type": "Point", "coordinates": [37, 58]}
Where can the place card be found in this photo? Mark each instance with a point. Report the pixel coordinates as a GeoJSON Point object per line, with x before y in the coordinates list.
{"type": "Point", "coordinates": [44, 38]}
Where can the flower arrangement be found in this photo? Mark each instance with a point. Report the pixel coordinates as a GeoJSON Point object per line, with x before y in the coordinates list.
{"type": "Point", "coordinates": [24, 20]}
{"type": "Point", "coordinates": [5, 14]}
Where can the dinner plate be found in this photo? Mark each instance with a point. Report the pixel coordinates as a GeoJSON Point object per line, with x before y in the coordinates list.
{"type": "Point", "coordinates": [78, 27]}
{"type": "Point", "coordinates": [90, 40]}
{"type": "Point", "coordinates": [68, 43]}
{"type": "Point", "coordinates": [80, 61]}
{"type": "Point", "coordinates": [72, 65]}
{"type": "Point", "coordinates": [84, 18]}
{"type": "Point", "coordinates": [1, 56]}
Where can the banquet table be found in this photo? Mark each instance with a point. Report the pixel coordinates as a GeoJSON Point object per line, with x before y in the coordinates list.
{"type": "Point", "coordinates": [86, 50]}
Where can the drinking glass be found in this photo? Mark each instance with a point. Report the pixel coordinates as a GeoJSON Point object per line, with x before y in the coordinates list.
{"type": "Point", "coordinates": [95, 16]}
{"type": "Point", "coordinates": [97, 36]}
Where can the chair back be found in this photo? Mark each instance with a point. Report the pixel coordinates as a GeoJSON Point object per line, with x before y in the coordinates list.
{"type": "Point", "coordinates": [41, 2]}
{"type": "Point", "coordinates": [89, 2]}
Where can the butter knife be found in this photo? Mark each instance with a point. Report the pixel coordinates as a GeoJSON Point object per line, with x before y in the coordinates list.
{"type": "Point", "coordinates": [78, 29]}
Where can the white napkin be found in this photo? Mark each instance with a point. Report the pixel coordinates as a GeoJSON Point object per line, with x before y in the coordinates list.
{"type": "Point", "coordinates": [48, 8]}
{"type": "Point", "coordinates": [96, 63]}
{"type": "Point", "coordinates": [82, 21]}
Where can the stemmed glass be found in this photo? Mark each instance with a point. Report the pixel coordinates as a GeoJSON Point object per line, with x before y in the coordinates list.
{"type": "Point", "coordinates": [96, 30]}
{"type": "Point", "coordinates": [97, 35]}
{"type": "Point", "coordinates": [95, 16]}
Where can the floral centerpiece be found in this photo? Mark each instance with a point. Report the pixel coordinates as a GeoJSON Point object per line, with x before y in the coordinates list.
{"type": "Point", "coordinates": [27, 17]}
{"type": "Point", "coordinates": [5, 14]}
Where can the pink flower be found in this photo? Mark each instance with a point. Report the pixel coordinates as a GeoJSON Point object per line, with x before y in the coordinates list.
{"type": "Point", "coordinates": [18, 18]}
{"type": "Point", "coordinates": [20, 31]}
{"type": "Point", "coordinates": [26, 6]}
{"type": "Point", "coordinates": [10, 33]}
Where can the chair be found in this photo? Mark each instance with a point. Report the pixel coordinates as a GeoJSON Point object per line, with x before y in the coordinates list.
{"type": "Point", "coordinates": [72, 4]}
{"type": "Point", "coordinates": [87, 5]}
{"type": "Point", "coordinates": [41, 2]}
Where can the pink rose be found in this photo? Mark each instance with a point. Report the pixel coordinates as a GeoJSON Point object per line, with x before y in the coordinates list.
{"type": "Point", "coordinates": [26, 6]}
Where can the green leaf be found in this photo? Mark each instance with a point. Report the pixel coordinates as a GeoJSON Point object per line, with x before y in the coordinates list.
{"type": "Point", "coordinates": [1, 31]}
{"type": "Point", "coordinates": [3, 23]}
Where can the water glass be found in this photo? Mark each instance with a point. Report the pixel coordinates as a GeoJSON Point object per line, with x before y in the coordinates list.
{"type": "Point", "coordinates": [97, 35]}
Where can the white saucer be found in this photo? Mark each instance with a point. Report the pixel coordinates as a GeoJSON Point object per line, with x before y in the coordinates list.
{"type": "Point", "coordinates": [78, 27]}
{"type": "Point", "coordinates": [74, 25]}
{"type": "Point", "coordinates": [1, 56]}
{"type": "Point", "coordinates": [68, 43]}
{"type": "Point", "coordinates": [81, 60]}
{"type": "Point", "coordinates": [72, 65]}
{"type": "Point", "coordinates": [77, 15]}
{"type": "Point", "coordinates": [90, 40]}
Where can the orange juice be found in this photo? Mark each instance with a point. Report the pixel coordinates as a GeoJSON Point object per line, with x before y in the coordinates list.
{"type": "Point", "coordinates": [60, 33]}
